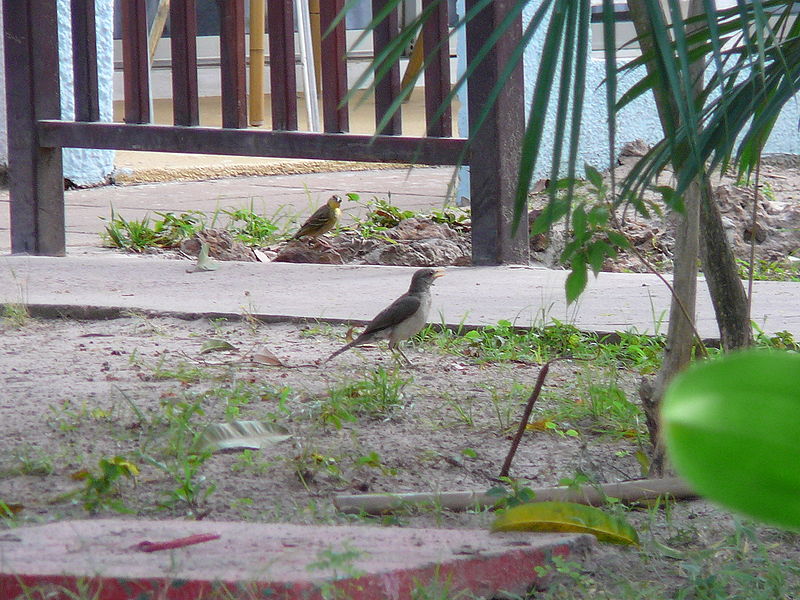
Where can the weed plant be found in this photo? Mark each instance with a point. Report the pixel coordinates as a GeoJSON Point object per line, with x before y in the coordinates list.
{"type": "Point", "coordinates": [765, 270]}
{"type": "Point", "coordinates": [375, 396]}
{"type": "Point", "coordinates": [504, 342]}
{"type": "Point", "coordinates": [166, 232]}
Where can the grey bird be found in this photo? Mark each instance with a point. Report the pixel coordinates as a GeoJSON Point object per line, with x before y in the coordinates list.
{"type": "Point", "coordinates": [403, 318]}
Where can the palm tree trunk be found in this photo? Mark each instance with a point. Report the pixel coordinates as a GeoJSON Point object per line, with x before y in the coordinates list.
{"type": "Point", "coordinates": [724, 284]}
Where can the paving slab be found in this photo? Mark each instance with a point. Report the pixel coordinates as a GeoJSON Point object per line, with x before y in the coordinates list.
{"type": "Point", "coordinates": [297, 195]}
{"type": "Point", "coordinates": [111, 284]}
{"type": "Point", "coordinates": [113, 559]}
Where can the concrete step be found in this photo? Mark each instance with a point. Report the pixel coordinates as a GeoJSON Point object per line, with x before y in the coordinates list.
{"type": "Point", "coordinates": [109, 559]}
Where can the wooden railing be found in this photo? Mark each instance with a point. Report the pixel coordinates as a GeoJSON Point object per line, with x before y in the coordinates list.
{"type": "Point", "coordinates": [37, 133]}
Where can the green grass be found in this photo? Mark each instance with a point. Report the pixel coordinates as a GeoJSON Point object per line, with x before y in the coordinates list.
{"type": "Point", "coordinates": [740, 566]}
{"type": "Point", "coordinates": [593, 403]}
{"type": "Point", "coordinates": [168, 229]}
{"type": "Point", "coordinates": [377, 396]}
{"type": "Point", "coordinates": [14, 315]}
{"type": "Point", "coordinates": [764, 270]}
{"type": "Point", "coordinates": [504, 342]}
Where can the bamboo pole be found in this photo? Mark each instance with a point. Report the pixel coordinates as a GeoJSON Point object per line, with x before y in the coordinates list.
{"type": "Point", "coordinates": [414, 65]}
{"type": "Point", "coordinates": [257, 62]}
{"type": "Point", "coordinates": [316, 40]}
{"type": "Point", "coordinates": [627, 491]}
{"type": "Point", "coordinates": [157, 28]}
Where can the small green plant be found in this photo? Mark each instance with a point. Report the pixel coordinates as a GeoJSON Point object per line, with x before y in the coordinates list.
{"type": "Point", "coordinates": [138, 235]}
{"type": "Point", "coordinates": [457, 218]}
{"type": "Point", "coordinates": [251, 228]}
{"type": "Point", "coordinates": [241, 393]}
{"type": "Point", "coordinates": [632, 349]}
{"type": "Point", "coordinates": [251, 461]}
{"type": "Point", "coordinates": [310, 463]}
{"type": "Point", "coordinates": [182, 461]}
{"type": "Point", "coordinates": [15, 314]}
{"type": "Point", "coordinates": [33, 461]}
{"type": "Point", "coordinates": [372, 460]}
{"type": "Point", "coordinates": [339, 565]}
{"type": "Point", "coordinates": [68, 417]}
{"type": "Point", "coordinates": [381, 216]}
{"type": "Point", "coordinates": [375, 396]}
{"type": "Point", "coordinates": [514, 492]}
{"type": "Point", "coordinates": [780, 340]}
{"type": "Point", "coordinates": [102, 489]}
{"type": "Point", "coordinates": [765, 270]}
{"type": "Point", "coordinates": [183, 371]}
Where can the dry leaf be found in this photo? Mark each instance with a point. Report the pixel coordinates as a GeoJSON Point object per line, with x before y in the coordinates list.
{"type": "Point", "coordinates": [215, 345]}
{"type": "Point", "coordinates": [265, 357]}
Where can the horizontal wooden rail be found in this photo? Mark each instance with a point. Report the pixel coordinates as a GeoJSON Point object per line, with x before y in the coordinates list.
{"type": "Point", "coordinates": [249, 142]}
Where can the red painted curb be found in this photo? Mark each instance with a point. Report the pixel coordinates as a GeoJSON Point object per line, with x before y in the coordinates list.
{"type": "Point", "coordinates": [183, 560]}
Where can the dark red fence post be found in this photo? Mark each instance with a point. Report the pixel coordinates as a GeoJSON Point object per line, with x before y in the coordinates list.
{"type": "Point", "coordinates": [84, 61]}
{"type": "Point", "coordinates": [36, 181]}
{"type": "Point", "coordinates": [437, 69]}
{"type": "Point", "coordinates": [183, 42]}
{"type": "Point", "coordinates": [233, 71]}
{"type": "Point", "coordinates": [335, 115]}
{"type": "Point", "coordinates": [282, 76]}
{"type": "Point", "coordinates": [496, 146]}
{"type": "Point", "coordinates": [387, 89]}
{"type": "Point", "coordinates": [135, 61]}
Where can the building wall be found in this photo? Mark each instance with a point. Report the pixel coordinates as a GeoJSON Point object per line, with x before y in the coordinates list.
{"type": "Point", "coordinates": [82, 167]}
{"type": "Point", "coordinates": [639, 120]}
{"type": "Point", "coordinates": [85, 167]}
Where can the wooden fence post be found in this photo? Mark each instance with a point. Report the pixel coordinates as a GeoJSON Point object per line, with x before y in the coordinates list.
{"type": "Point", "coordinates": [496, 146]}
{"type": "Point", "coordinates": [36, 180]}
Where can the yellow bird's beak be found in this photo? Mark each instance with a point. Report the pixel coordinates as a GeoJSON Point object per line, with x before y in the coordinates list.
{"type": "Point", "coordinates": [439, 273]}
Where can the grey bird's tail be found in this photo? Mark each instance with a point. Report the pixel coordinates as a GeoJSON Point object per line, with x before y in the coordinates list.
{"type": "Point", "coordinates": [341, 350]}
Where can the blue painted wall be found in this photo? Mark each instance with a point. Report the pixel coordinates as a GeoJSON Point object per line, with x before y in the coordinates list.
{"type": "Point", "coordinates": [638, 121]}
{"type": "Point", "coordinates": [88, 167]}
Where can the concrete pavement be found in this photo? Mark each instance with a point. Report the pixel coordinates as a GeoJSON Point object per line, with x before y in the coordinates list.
{"type": "Point", "coordinates": [92, 281]}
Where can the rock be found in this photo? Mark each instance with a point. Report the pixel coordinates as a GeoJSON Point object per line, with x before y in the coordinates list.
{"type": "Point", "coordinates": [309, 251]}
{"type": "Point", "coordinates": [419, 228]}
{"type": "Point", "coordinates": [540, 241]}
{"type": "Point", "coordinates": [420, 253]}
{"type": "Point", "coordinates": [634, 148]}
{"type": "Point", "coordinates": [221, 246]}
{"type": "Point", "coordinates": [758, 232]}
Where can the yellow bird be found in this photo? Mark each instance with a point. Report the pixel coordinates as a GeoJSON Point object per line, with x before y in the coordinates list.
{"type": "Point", "coordinates": [322, 221]}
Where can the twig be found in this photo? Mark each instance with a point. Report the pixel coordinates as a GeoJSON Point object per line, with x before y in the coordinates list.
{"type": "Point", "coordinates": [526, 414]}
{"type": "Point", "coordinates": [663, 279]}
{"type": "Point", "coordinates": [629, 492]}
{"type": "Point", "coordinates": [751, 269]}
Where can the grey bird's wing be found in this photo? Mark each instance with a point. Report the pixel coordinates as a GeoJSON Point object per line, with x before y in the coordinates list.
{"type": "Point", "coordinates": [397, 312]}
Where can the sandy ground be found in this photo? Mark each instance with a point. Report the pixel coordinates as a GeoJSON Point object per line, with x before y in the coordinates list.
{"type": "Point", "coordinates": [139, 388]}
{"type": "Point", "coordinates": [72, 393]}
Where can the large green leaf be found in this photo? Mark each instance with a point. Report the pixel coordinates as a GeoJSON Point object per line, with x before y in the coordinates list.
{"type": "Point", "coordinates": [732, 429]}
{"type": "Point", "coordinates": [566, 517]}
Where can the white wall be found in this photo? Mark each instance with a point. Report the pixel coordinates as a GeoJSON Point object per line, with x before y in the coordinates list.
{"type": "Point", "coordinates": [639, 120]}
{"type": "Point", "coordinates": [82, 166]}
